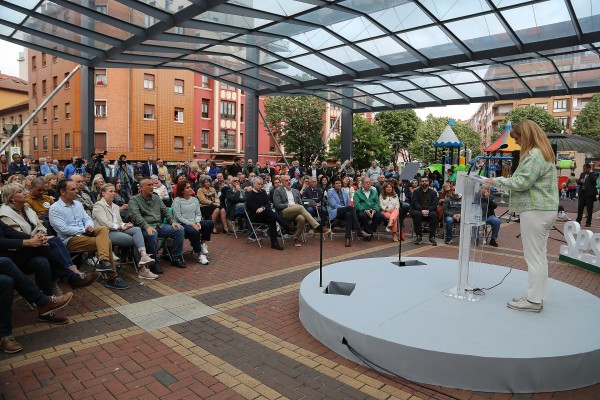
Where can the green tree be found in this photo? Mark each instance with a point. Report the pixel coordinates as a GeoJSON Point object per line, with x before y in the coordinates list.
{"type": "Point", "coordinates": [368, 144]}
{"type": "Point", "coordinates": [399, 126]}
{"type": "Point", "coordinates": [298, 122]}
{"type": "Point", "coordinates": [535, 114]}
{"type": "Point", "coordinates": [588, 121]}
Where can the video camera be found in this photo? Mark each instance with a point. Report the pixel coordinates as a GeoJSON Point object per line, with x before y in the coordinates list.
{"type": "Point", "coordinates": [99, 156]}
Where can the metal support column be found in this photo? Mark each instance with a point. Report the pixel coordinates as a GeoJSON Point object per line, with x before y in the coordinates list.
{"type": "Point", "coordinates": [251, 127]}
{"type": "Point", "coordinates": [346, 139]}
{"type": "Point", "coordinates": [87, 112]}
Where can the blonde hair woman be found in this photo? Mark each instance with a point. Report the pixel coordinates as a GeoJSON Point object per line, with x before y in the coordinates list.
{"type": "Point", "coordinates": [390, 206]}
{"type": "Point", "coordinates": [534, 194]}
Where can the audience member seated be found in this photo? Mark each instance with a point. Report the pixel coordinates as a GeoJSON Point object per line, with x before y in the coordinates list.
{"type": "Point", "coordinates": [11, 279]}
{"type": "Point", "coordinates": [314, 192]}
{"type": "Point", "coordinates": [488, 207]}
{"type": "Point", "coordinates": [276, 184]}
{"type": "Point", "coordinates": [259, 210]}
{"type": "Point", "coordinates": [424, 205]}
{"type": "Point", "coordinates": [17, 215]}
{"type": "Point", "coordinates": [340, 208]}
{"type": "Point", "coordinates": [82, 196]}
{"type": "Point", "coordinates": [121, 198]}
{"type": "Point", "coordinates": [97, 184]}
{"type": "Point", "coordinates": [366, 202]}
{"type": "Point", "coordinates": [209, 202]}
{"type": "Point", "coordinates": [452, 208]}
{"type": "Point", "coordinates": [106, 213]}
{"type": "Point", "coordinates": [51, 181]}
{"type": "Point", "coordinates": [187, 211]}
{"type": "Point", "coordinates": [148, 212]}
{"type": "Point", "coordinates": [76, 229]}
{"type": "Point", "coordinates": [390, 205]}
{"type": "Point", "coordinates": [288, 204]}
{"type": "Point", "coordinates": [38, 200]}
{"type": "Point", "coordinates": [161, 190]}
{"type": "Point", "coordinates": [17, 167]}
{"type": "Point", "coordinates": [235, 199]}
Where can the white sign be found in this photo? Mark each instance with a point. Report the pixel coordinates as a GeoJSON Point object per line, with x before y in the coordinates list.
{"type": "Point", "coordinates": [582, 245]}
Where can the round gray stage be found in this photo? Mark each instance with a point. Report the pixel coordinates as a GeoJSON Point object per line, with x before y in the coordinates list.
{"type": "Point", "coordinates": [401, 320]}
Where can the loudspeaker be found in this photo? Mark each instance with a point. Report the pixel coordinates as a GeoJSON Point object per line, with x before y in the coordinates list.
{"type": "Point", "coordinates": [516, 154]}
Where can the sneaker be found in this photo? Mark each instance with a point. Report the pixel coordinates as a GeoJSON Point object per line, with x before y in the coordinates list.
{"type": "Point", "coordinates": [388, 229]}
{"type": "Point", "coordinates": [104, 266]}
{"type": "Point", "coordinates": [297, 242]}
{"type": "Point", "coordinates": [84, 279]}
{"type": "Point", "coordinates": [56, 290]}
{"type": "Point", "coordinates": [204, 248]}
{"type": "Point", "coordinates": [115, 257]}
{"type": "Point", "coordinates": [447, 241]}
{"type": "Point", "coordinates": [202, 259]}
{"type": "Point", "coordinates": [55, 303]}
{"type": "Point", "coordinates": [91, 261]}
{"type": "Point", "coordinates": [116, 283]}
{"type": "Point", "coordinates": [493, 243]}
{"type": "Point", "coordinates": [525, 305]}
{"type": "Point", "coordinates": [146, 261]}
{"type": "Point", "coordinates": [418, 239]}
{"type": "Point", "coordinates": [53, 319]}
{"type": "Point", "coordinates": [147, 274]}
{"type": "Point", "coordinates": [432, 241]}
{"type": "Point", "coordinates": [9, 345]}
{"type": "Point", "coordinates": [276, 246]}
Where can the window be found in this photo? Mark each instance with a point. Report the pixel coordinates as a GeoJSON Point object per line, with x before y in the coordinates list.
{"type": "Point", "coordinates": [54, 59]}
{"type": "Point", "coordinates": [67, 83]}
{"type": "Point", "coordinates": [45, 143]}
{"type": "Point", "coordinates": [67, 110]}
{"type": "Point", "coordinates": [204, 81]}
{"type": "Point", "coordinates": [100, 141]}
{"type": "Point", "coordinates": [542, 105]}
{"type": "Point", "coordinates": [564, 121]}
{"type": "Point", "coordinates": [227, 110]}
{"type": "Point", "coordinates": [227, 139]}
{"type": "Point", "coordinates": [55, 142]}
{"type": "Point", "coordinates": [148, 81]}
{"type": "Point", "coordinates": [148, 142]}
{"type": "Point", "coordinates": [36, 144]}
{"type": "Point", "coordinates": [179, 86]}
{"type": "Point", "coordinates": [102, 8]}
{"type": "Point", "coordinates": [100, 108]}
{"type": "Point", "coordinates": [205, 139]}
{"type": "Point", "coordinates": [100, 77]}
{"type": "Point", "coordinates": [33, 63]}
{"type": "Point", "coordinates": [225, 86]}
{"type": "Point", "coordinates": [148, 111]}
{"type": "Point", "coordinates": [148, 20]}
{"type": "Point", "coordinates": [67, 140]}
{"type": "Point", "coordinates": [241, 113]}
{"type": "Point", "coordinates": [44, 87]}
{"type": "Point", "coordinates": [178, 143]}
{"type": "Point", "coordinates": [43, 59]}
{"type": "Point", "coordinates": [54, 82]}
{"type": "Point", "coordinates": [179, 115]}
{"type": "Point", "coordinates": [205, 103]}
{"type": "Point", "coordinates": [35, 120]}
{"type": "Point", "coordinates": [45, 115]}
{"type": "Point", "coordinates": [560, 105]}
{"type": "Point", "coordinates": [55, 113]}
{"type": "Point", "coordinates": [34, 89]}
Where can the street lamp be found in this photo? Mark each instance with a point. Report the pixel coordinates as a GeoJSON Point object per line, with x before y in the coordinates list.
{"type": "Point", "coordinates": [189, 143]}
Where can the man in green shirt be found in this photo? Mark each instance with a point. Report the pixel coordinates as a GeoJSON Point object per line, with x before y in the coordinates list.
{"type": "Point", "coordinates": [366, 202]}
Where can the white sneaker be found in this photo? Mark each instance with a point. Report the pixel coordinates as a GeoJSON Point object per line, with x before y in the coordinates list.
{"type": "Point", "coordinates": [115, 258]}
{"type": "Point", "coordinates": [202, 259]}
{"type": "Point", "coordinates": [146, 261]}
{"type": "Point", "coordinates": [525, 305]}
{"type": "Point", "coordinates": [147, 275]}
{"type": "Point", "coordinates": [204, 248]}
{"type": "Point", "coordinates": [92, 261]}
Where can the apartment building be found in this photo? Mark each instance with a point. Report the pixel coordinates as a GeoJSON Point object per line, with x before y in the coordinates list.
{"type": "Point", "coordinates": [14, 110]}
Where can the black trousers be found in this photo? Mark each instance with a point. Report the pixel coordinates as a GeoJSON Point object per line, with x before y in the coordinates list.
{"type": "Point", "coordinates": [270, 217]}
{"type": "Point", "coordinates": [348, 214]}
{"type": "Point", "coordinates": [583, 202]}
{"type": "Point", "coordinates": [418, 224]}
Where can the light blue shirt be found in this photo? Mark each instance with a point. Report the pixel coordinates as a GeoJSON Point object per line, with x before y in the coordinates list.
{"type": "Point", "coordinates": [46, 169]}
{"type": "Point", "coordinates": [69, 220]}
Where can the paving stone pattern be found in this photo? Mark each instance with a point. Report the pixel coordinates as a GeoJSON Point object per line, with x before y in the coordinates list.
{"type": "Point", "coordinates": [229, 330]}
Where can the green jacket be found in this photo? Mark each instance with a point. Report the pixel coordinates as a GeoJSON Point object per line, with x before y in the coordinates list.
{"type": "Point", "coordinates": [361, 202]}
{"type": "Point", "coordinates": [145, 213]}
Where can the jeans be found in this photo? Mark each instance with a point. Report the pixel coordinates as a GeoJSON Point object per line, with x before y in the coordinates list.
{"type": "Point", "coordinates": [495, 224]}
{"type": "Point", "coordinates": [164, 231]}
{"type": "Point", "coordinates": [449, 224]}
{"type": "Point", "coordinates": [132, 237]}
{"type": "Point", "coordinates": [196, 237]}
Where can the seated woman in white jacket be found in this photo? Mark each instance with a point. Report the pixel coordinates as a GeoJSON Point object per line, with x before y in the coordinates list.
{"type": "Point", "coordinates": [106, 213]}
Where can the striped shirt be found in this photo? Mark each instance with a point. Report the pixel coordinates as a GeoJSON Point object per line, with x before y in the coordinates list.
{"type": "Point", "coordinates": [533, 186]}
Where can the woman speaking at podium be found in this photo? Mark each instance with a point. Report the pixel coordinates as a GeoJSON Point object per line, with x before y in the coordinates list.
{"type": "Point", "coordinates": [534, 194]}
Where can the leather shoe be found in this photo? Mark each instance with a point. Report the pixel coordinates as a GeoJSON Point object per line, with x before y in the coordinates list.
{"type": "Point", "coordinates": [157, 269]}
{"type": "Point", "coordinates": [176, 262]}
{"type": "Point", "coordinates": [365, 235]}
{"type": "Point", "coordinates": [276, 246]}
{"type": "Point", "coordinates": [55, 303]}
{"type": "Point", "coordinates": [348, 242]}
{"type": "Point", "coordinates": [9, 345]}
{"type": "Point", "coordinates": [322, 228]}
{"type": "Point", "coordinates": [83, 280]}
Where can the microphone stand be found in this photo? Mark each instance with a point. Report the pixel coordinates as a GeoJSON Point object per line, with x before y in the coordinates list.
{"type": "Point", "coordinates": [401, 263]}
{"type": "Point", "coordinates": [321, 240]}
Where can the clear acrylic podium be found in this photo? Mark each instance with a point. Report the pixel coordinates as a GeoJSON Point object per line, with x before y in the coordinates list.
{"type": "Point", "coordinates": [471, 227]}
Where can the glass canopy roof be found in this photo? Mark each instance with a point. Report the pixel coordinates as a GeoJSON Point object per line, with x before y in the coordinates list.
{"type": "Point", "coordinates": [366, 55]}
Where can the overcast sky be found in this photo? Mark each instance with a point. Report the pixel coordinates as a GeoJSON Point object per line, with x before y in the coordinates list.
{"type": "Point", "coordinates": [10, 66]}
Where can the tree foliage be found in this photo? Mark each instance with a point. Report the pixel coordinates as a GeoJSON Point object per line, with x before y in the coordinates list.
{"type": "Point", "coordinates": [430, 130]}
{"type": "Point", "coordinates": [588, 121]}
{"type": "Point", "coordinates": [298, 122]}
{"type": "Point", "coordinates": [399, 126]}
{"type": "Point", "coordinates": [368, 144]}
{"type": "Point", "coordinates": [535, 114]}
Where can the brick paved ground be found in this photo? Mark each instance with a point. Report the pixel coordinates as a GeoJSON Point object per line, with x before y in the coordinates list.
{"type": "Point", "coordinates": [248, 345]}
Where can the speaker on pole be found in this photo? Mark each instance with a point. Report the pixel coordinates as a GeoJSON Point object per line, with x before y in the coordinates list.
{"type": "Point", "coordinates": [516, 154]}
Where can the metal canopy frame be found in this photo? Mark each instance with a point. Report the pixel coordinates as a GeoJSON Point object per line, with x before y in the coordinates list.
{"type": "Point", "coordinates": [361, 55]}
